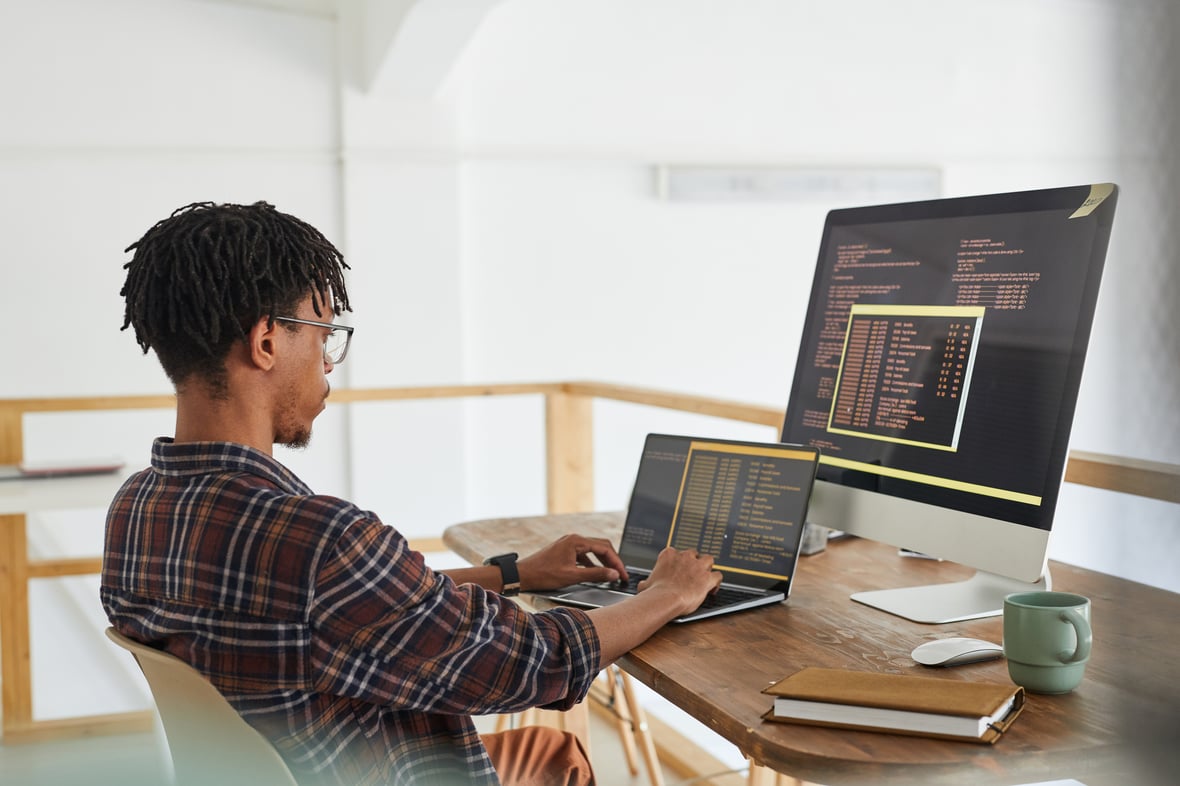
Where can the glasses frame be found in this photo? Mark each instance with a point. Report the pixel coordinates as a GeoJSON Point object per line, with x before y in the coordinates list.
{"type": "Point", "coordinates": [333, 327]}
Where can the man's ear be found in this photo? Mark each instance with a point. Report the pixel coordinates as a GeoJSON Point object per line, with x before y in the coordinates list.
{"type": "Point", "coordinates": [262, 344]}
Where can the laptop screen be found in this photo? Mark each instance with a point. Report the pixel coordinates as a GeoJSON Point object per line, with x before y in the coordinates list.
{"type": "Point", "coordinates": [744, 503]}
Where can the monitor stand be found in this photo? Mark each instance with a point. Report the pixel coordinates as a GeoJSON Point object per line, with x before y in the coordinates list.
{"type": "Point", "coordinates": [982, 595]}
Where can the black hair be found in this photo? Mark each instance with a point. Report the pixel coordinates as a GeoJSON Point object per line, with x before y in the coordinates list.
{"type": "Point", "coordinates": [201, 278]}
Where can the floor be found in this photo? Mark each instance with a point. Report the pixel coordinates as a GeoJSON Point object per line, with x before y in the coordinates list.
{"type": "Point", "coordinates": [140, 760]}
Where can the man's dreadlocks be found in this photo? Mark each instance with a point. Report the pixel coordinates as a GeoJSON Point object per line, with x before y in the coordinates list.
{"type": "Point", "coordinates": [201, 278]}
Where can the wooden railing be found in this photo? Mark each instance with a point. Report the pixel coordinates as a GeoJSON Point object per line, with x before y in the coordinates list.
{"type": "Point", "coordinates": [569, 452]}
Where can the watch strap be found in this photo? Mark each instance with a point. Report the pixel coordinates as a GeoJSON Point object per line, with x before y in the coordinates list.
{"type": "Point", "coordinates": [509, 575]}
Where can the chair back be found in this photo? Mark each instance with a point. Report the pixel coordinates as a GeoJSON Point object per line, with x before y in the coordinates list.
{"type": "Point", "coordinates": [209, 742]}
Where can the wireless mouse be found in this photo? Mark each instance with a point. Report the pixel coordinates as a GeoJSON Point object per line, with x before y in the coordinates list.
{"type": "Point", "coordinates": [955, 651]}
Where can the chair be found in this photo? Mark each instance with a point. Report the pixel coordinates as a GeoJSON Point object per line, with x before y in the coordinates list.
{"type": "Point", "coordinates": [209, 742]}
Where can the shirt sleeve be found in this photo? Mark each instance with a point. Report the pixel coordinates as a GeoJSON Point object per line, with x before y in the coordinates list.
{"type": "Point", "coordinates": [388, 630]}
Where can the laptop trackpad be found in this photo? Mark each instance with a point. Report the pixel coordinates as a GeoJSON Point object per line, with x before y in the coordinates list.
{"type": "Point", "coordinates": [593, 596]}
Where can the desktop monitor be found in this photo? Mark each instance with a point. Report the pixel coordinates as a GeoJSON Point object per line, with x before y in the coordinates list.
{"type": "Point", "coordinates": [938, 372]}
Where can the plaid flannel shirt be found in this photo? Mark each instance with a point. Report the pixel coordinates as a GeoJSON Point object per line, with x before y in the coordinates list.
{"type": "Point", "coordinates": [321, 626]}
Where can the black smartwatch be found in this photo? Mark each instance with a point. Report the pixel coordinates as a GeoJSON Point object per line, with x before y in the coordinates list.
{"type": "Point", "coordinates": [509, 575]}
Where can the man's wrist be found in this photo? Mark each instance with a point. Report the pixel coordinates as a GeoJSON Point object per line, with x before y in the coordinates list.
{"type": "Point", "coordinates": [509, 573]}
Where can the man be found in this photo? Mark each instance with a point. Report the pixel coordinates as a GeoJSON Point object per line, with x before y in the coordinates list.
{"type": "Point", "coordinates": [316, 620]}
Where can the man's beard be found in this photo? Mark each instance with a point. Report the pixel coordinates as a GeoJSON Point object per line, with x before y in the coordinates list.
{"type": "Point", "coordinates": [298, 441]}
{"type": "Point", "coordinates": [292, 433]}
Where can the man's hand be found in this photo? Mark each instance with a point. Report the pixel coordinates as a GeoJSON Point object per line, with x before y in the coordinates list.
{"type": "Point", "coordinates": [686, 573]}
{"type": "Point", "coordinates": [678, 583]}
{"type": "Point", "coordinates": [568, 560]}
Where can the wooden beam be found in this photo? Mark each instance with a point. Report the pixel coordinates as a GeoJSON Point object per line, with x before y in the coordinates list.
{"type": "Point", "coordinates": [132, 722]}
{"type": "Point", "coordinates": [86, 403]}
{"type": "Point", "coordinates": [16, 678]}
{"type": "Point", "coordinates": [1152, 479]}
{"type": "Point", "coordinates": [701, 405]}
{"type": "Point", "coordinates": [57, 568]}
{"type": "Point", "coordinates": [16, 689]}
{"type": "Point", "coordinates": [569, 453]}
{"type": "Point", "coordinates": [440, 391]}
{"type": "Point", "coordinates": [428, 544]}
{"type": "Point", "coordinates": [12, 438]}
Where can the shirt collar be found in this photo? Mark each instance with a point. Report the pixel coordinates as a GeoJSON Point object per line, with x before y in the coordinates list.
{"type": "Point", "coordinates": [202, 458]}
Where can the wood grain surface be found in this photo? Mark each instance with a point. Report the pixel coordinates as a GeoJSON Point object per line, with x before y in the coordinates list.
{"type": "Point", "coordinates": [1119, 726]}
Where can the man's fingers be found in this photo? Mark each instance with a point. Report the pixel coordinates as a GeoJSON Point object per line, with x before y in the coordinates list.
{"type": "Point", "coordinates": [604, 551]}
{"type": "Point", "coordinates": [599, 574]}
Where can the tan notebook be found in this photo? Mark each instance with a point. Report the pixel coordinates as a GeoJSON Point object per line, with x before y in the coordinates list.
{"type": "Point", "coordinates": [896, 703]}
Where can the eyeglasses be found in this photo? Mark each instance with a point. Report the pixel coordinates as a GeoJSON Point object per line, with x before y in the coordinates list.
{"type": "Point", "coordinates": [337, 341]}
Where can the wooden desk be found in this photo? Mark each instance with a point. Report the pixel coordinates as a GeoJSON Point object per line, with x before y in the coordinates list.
{"type": "Point", "coordinates": [1120, 726]}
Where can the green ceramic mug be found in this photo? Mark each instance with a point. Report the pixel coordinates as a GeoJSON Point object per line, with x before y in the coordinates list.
{"type": "Point", "coordinates": [1047, 640]}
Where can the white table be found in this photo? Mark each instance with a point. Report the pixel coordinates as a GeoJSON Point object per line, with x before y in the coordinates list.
{"type": "Point", "coordinates": [18, 498]}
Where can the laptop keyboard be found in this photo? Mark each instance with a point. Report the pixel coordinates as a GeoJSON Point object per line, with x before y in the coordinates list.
{"type": "Point", "coordinates": [724, 596]}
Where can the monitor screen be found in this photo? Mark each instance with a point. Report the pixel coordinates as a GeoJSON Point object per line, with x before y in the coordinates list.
{"type": "Point", "coordinates": [940, 362]}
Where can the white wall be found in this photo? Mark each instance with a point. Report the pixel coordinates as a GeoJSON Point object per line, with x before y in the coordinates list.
{"type": "Point", "coordinates": [513, 233]}
{"type": "Point", "coordinates": [116, 113]}
{"type": "Point", "coordinates": [567, 106]}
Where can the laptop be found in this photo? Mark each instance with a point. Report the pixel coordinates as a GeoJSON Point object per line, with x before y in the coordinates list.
{"type": "Point", "coordinates": [743, 503]}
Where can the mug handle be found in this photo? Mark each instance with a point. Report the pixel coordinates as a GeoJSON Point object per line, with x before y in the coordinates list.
{"type": "Point", "coordinates": [1085, 635]}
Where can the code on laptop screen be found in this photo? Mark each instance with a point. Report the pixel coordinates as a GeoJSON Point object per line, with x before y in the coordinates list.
{"type": "Point", "coordinates": [743, 503]}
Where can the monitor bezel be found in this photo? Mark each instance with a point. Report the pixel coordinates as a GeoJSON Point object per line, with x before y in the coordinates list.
{"type": "Point", "coordinates": [1016, 549]}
